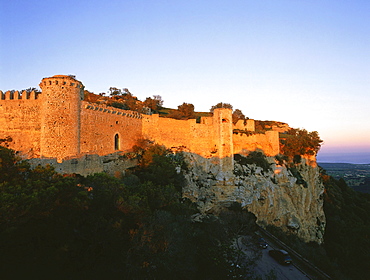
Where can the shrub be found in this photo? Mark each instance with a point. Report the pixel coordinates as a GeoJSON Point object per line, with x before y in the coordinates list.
{"type": "Point", "coordinates": [256, 157]}
{"type": "Point", "coordinates": [300, 142]}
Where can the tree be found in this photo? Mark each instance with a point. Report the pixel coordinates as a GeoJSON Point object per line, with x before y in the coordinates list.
{"type": "Point", "coordinates": [125, 91]}
{"type": "Point", "coordinates": [238, 115]}
{"type": "Point", "coordinates": [154, 103]}
{"type": "Point", "coordinates": [133, 104]}
{"type": "Point", "coordinates": [74, 227]}
{"type": "Point", "coordinates": [184, 111]}
{"type": "Point", "coordinates": [12, 169]}
{"type": "Point", "coordinates": [159, 100]}
{"type": "Point", "coordinates": [113, 91]}
{"type": "Point", "coordinates": [300, 142]}
{"type": "Point", "coordinates": [221, 105]}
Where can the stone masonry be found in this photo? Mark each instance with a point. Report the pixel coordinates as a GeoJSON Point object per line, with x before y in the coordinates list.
{"type": "Point", "coordinates": [57, 123]}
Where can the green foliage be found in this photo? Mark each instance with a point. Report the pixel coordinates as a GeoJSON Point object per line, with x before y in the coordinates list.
{"type": "Point", "coordinates": [255, 157]}
{"type": "Point", "coordinates": [184, 111]}
{"type": "Point", "coordinates": [154, 103]}
{"type": "Point", "coordinates": [238, 115]}
{"type": "Point", "coordinates": [221, 105]}
{"type": "Point", "coordinates": [113, 91]}
{"type": "Point", "coordinates": [97, 227]}
{"type": "Point", "coordinates": [281, 159]}
{"type": "Point", "coordinates": [119, 105]}
{"type": "Point", "coordinates": [300, 142]}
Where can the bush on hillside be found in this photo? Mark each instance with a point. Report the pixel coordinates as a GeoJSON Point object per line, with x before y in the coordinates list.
{"type": "Point", "coordinates": [256, 157]}
{"type": "Point", "coordinates": [97, 227]}
{"type": "Point", "coordinates": [300, 142]}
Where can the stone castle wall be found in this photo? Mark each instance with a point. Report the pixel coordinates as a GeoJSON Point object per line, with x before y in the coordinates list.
{"type": "Point", "coordinates": [267, 142]}
{"type": "Point", "coordinates": [58, 124]}
{"type": "Point", "coordinates": [172, 133]}
{"type": "Point", "coordinates": [20, 118]}
{"type": "Point", "coordinates": [105, 130]}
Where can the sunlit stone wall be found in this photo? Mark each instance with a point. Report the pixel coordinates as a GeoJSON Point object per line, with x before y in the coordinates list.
{"type": "Point", "coordinates": [58, 124]}
{"type": "Point", "coordinates": [20, 120]}
{"type": "Point", "coordinates": [106, 130]}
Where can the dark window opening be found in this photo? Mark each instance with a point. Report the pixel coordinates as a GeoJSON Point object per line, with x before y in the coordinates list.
{"type": "Point", "coordinates": [116, 142]}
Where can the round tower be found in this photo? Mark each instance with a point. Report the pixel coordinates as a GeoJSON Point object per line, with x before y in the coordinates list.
{"type": "Point", "coordinates": [60, 116]}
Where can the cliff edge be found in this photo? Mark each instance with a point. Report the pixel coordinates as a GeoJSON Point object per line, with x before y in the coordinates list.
{"type": "Point", "coordinates": [283, 195]}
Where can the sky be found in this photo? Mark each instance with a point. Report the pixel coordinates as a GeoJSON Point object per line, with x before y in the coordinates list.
{"type": "Point", "coordinates": [302, 62]}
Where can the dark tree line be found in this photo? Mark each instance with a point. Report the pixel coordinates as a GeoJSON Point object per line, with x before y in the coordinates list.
{"type": "Point", "coordinates": [102, 227]}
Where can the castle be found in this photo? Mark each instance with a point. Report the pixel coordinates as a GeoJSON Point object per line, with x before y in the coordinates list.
{"type": "Point", "coordinates": [57, 123]}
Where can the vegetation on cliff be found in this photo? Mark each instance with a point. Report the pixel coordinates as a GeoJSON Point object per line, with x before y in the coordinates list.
{"type": "Point", "coordinates": [299, 142]}
{"type": "Point", "coordinates": [101, 227]}
{"type": "Point", "coordinates": [256, 157]}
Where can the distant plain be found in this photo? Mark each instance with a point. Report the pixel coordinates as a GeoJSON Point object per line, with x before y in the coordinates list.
{"type": "Point", "coordinates": [357, 176]}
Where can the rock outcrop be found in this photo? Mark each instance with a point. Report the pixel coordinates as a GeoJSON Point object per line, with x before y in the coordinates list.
{"type": "Point", "coordinates": [287, 196]}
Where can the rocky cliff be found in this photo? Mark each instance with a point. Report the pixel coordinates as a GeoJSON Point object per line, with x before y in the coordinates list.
{"type": "Point", "coordinates": [289, 196]}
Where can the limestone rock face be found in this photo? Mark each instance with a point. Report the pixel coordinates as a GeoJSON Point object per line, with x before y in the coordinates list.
{"type": "Point", "coordinates": [289, 198]}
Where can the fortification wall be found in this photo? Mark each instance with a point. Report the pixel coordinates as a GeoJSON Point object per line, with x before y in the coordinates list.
{"type": "Point", "coordinates": [248, 125]}
{"type": "Point", "coordinates": [191, 136]}
{"type": "Point", "coordinates": [105, 130]}
{"type": "Point", "coordinates": [58, 124]}
{"type": "Point", "coordinates": [203, 140]}
{"type": "Point", "coordinates": [268, 142]}
{"type": "Point", "coordinates": [20, 120]}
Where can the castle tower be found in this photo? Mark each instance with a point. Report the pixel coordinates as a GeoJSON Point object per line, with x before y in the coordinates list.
{"type": "Point", "coordinates": [60, 116]}
{"type": "Point", "coordinates": [223, 129]}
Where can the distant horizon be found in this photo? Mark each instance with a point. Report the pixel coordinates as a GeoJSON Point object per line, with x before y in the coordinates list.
{"type": "Point", "coordinates": [344, 157]}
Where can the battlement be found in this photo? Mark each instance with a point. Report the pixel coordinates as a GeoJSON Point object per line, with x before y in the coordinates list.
{"type": "Point", "coordinates": [112, 110]}
{"type": "Point", "coordinates": [16, 95]}
{"type": "Point", "coordinates": [61, 81]}
{"type": "Point", "coordinates": [58, 123]}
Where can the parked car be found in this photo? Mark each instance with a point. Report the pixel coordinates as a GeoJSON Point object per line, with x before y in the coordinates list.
{"type": "Point", "coordinates": [262, 243]}
{"type": "Point", "coordinates": [281, 256]}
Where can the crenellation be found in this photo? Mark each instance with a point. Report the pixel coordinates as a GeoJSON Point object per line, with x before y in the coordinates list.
{"type": "Point", "coordinates": [61, 125]}
{"type": "Point", "coordinates": [33, 95]}
{"type": "Point", "coordinates": [8, 95]}
{"type": "Point", "coordinates": [116, 111]}
{"type": "Point", "coordinates": [18, 95]}
{"type": "Point", "coordinates": [24, 95]}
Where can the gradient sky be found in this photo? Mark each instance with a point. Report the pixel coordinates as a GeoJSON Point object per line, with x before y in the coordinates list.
{"type": "Point", "coordinates": [303, 62]}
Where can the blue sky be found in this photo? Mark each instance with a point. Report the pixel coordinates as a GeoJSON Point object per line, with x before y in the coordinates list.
{"type": "Point", "coordinates": [303, 62]}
